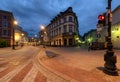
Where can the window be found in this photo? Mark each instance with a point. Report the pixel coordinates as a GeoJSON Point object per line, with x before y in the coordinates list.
{"type": "Point", "coordinates": [5, 24]}
{"type": "Point", "coordinates": [0, 19]}
{"type": "Point", "coordinates": [60, 21]}
{"type": "Point", "coordinates": [65, 28]}
{"type": "Point", "coordinates": [59, 30]}
{"type": "Point", "coordinates": [4, 17]}
{"type": "Point", "coordinates": [5, 32]}
{"type": "Point", "coordinates": [70, 19]}
{"type": "Point", "coordinates": [65, 19]}
{"type": "Point", "coordinates": [56, 31]}
{"type": "Point", "coordinates": [70, 28]}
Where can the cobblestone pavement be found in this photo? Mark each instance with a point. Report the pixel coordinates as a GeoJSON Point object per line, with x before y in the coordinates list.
{"type": "Point", "coordinates": [23, 66]}
{"type": "Point", "coordinates": [79, 64]}
{"type": "Point", "coordinates": [36, 64]}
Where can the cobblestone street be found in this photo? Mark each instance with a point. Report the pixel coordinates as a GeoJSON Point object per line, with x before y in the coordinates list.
{"type": "Point", "coordinates": [81, 65]}
{"type": "Point", "coordinates": [54, 65]}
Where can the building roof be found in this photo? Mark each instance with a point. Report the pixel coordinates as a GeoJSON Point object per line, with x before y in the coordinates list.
{"type": "Point", "coordinates": [69, 10]}
{"type": "Point", "coordinates": [118, 7]}
{"type": "Point", "coordinates": [7, 12]}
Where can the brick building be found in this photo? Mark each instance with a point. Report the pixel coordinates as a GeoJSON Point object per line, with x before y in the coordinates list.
{"type": "Point", "coordinates": [6, 25]}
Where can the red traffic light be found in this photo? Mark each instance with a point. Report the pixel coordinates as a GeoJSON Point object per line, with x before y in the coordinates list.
{"type": "Point", "coordinates": [101, 17]}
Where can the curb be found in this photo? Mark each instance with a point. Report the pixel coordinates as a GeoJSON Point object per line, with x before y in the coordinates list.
{"type": "Point", "coordinates": [42, 57]}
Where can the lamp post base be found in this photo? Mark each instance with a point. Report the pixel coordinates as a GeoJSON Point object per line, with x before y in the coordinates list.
{"type": "Point", "coordinates": [110, 61]}
{"type": "Point", "coordinates": [111, 72]}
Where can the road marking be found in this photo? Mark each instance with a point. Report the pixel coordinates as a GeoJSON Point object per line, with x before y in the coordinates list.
{"type": "Point", "coordinates": [14, 62]}
{"type": "Point", "coordinates": [40, 78]}
{"type": "Point", "coordinates": [6, 71]}
{"type": "Point", "coordinates": [20, 76]}
{"type": "Point", "coordinates": [31, 75]}
{"type": "Point", "coordinates": [12, 73]}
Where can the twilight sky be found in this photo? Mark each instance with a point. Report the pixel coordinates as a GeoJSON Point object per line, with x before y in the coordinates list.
{"type": "Point", "coordinates": [32, 13]}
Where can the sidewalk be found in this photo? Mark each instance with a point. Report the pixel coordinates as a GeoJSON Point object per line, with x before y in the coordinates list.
{"type": "Point", "coordinates": [6, 50]}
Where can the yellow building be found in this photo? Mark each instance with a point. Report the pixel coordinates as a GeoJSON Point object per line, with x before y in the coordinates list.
{"type": "Point", "coordinates": [20, 36]}
{"type": "Point", "coordinates": [116, 27]}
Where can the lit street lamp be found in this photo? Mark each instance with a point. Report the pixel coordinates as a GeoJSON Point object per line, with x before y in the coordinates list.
{"type": "Point", "coordinates": [14, 24]}
{"type": "Point", "coordinates": [22, 40]}
{"type": "Point", "coordinates": [35, 39]}
{"type": "Point", "coordinates": [43, 35]}
{"type": "Point", "coordinates": [109, 58]}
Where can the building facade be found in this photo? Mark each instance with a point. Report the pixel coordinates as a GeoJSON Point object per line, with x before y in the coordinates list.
{"type": "Point", "coordinates": [6, 26]}
{"type": "Point", "coordinates": [116, 27]}
{"type": "Point", "coordinates": [90, 36]}
{"type": "Point", "coordinates": [62, 29]}
{"type": "Point", "coordinates": [21, 37]}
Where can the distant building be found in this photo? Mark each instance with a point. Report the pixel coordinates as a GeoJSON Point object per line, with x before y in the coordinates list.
{"type": "Point", "coordinates": [6, 25]}
{"type": "Point", "coordinates": [62, 29]}
{"type": "Point", "coordinates": [90, 36]}
{"type": "Point", "coordinates": [21, 37]}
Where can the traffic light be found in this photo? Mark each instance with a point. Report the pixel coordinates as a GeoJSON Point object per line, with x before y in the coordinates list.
{"type": "Point", "coordinates": [102, 19]}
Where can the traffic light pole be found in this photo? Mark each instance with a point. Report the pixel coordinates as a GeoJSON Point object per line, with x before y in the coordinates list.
{"type": "Point", "coordinates": [109, 58]}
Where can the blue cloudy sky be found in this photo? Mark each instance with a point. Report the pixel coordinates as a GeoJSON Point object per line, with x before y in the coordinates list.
{"type": "Point", "coordinates": [32, 13]}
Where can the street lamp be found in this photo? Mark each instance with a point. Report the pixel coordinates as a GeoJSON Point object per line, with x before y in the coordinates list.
{"type": "Point", "coordinates": [14, 23]}
{"type": "Point", "coordinates": [43, 35]}
{"type": "Point", "coordinates": [109, 58]}
{"type": "Point", "coordinates": [35, 39]}
{"type": "Point", "coordinates": [22, 40]}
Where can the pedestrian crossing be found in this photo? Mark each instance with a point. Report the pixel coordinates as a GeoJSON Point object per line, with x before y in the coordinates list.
{"type": "Point", "coordinates": [21, 73]}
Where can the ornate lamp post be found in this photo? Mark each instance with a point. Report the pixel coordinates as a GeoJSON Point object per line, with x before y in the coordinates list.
{"type": "Point", "coordinates": [109, 58]}
{"type": "Point", "coordinates": [14, 23]}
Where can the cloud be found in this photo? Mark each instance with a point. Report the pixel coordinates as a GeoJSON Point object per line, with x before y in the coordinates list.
{"type": "Point", "coordinates": [33, 13]}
